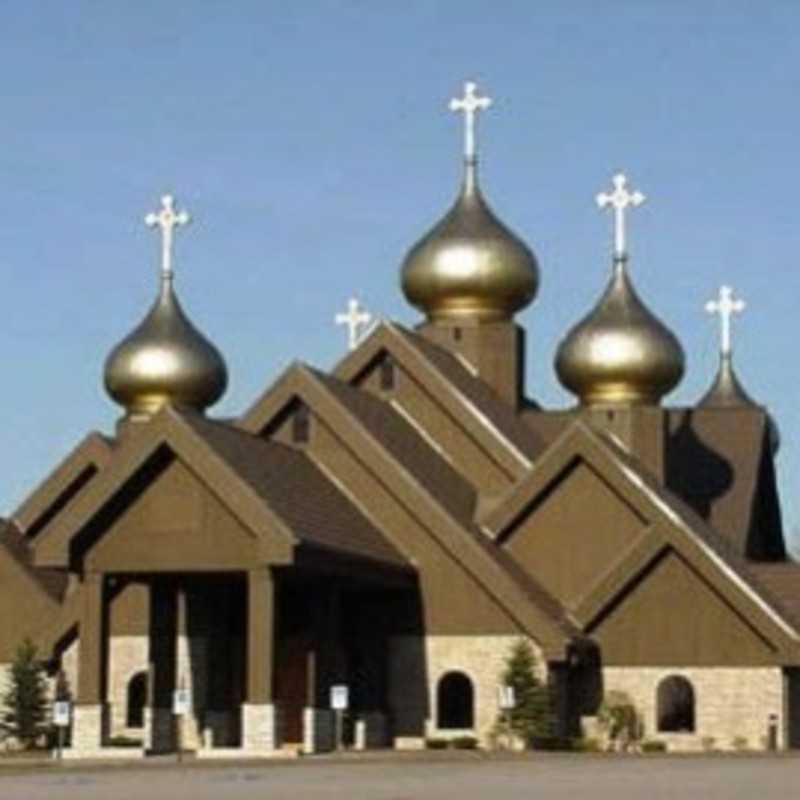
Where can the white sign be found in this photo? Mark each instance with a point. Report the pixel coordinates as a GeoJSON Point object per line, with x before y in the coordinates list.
{"type": "Point", "coordinates": [506, 698]}
{"type": "Point", "coordinates": [181, 702]}
{"type": "Point", "coordinates": [61, 713]}
{"type": "Point", "coordinates": [340, 698]}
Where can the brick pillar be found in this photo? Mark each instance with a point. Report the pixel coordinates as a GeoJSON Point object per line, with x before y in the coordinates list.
{"type": "Point", "coordinates": [259, 716]}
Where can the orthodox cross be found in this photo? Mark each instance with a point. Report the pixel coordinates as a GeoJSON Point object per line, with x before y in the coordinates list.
{"type": "Point", "coordinates": [470, 104]}
{"type": "Point", "coordinates": [726, 306]}
{"type": "Point", "coordinates": [620, 199]}
{"type": "Point", "coordinates": [167, 219]}
{"type": "Point", "coordinates": [356, 319]}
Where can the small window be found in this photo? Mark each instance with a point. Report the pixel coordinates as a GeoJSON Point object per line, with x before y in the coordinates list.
{"type": "Point", "coordinates": [387, 374]}
{"type": "Point", "coordinates": [455, 702]}
{"type": "Point", "coordinates": [676, 706]}
{"type": "Point", "coordinates": [137, 699]}
{"type": "Point", "coordinates": [457, 334]}
{"type": "Point", "coordinates": [301, 424]}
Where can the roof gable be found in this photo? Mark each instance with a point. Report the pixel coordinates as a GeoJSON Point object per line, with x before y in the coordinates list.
{"type": "Point", "coordinates": [483, 415]}
{"type": "Point", "coordinates": [672, 523]}
{"type": "Point", "coordinates": [166, 431]}
{"type": "Point", "coordinates": [364, 427]}
{"type": "Point", "coordinates": [573, 532]}
{"type": "Point", "coordinates": [63, 484]}
{"type": "Point", "coordinates": [701, 627]}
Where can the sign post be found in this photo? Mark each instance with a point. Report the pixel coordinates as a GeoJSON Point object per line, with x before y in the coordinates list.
{"type": "Point", "coordinates": [61, 717]}
{"type": "Point", "coordinates": [340, 702]}
{"type": "Point", "coordinates": [181, 706]}
{"type": "Point", "coordinates": [506, 700]}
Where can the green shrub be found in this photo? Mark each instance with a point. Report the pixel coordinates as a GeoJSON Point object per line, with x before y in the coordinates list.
{"type": "Point", "coordinates": [464, 743]}
{"type": "Point", "coordinates": [125, 741]}
{"type": "Point", "coordinates": [740, 743]}
{"type": "Point", "coordinates": [654, 746]}
{"type": "Point", "coordinates": [708, 743]}
{"type": "Point", "coordinates": [620, 719]}
{"type": "Point", "coordinates": [437, 744]}
{"type": "Point", "coordinates": [586, 745]}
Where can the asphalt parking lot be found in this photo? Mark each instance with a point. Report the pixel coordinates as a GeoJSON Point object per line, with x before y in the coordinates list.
{"type": "Point", "coordinates": [402, 778]}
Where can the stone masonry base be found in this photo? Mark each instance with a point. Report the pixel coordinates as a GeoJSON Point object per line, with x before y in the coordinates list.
{"type": "Point", "coordinates": [732, 704]}
{"type": "Point", "coordinates": [260, 729]}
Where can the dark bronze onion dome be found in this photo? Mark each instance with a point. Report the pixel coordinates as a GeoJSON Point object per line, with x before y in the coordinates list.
{"type": "Point", "coordinates": [165, 360]}
{"type": "Point", "coordinates": [727, 391]}
{"type": "Point", "coordinates": [620, 353]}
{"type": "Point", "coordinates": [470, 265]}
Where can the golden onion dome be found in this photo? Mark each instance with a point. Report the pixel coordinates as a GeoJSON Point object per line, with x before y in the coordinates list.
{"type": "Point", "coordinates": [620, 352]}
{"type": "Point", "coordinates": [165, 360]}
{"type": "Point", "coordinates": [470, 264]}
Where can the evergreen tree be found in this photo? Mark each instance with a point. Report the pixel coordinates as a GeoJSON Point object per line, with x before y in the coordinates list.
{"type": "Point", "coordinates": [25, 700]}
{"type": "Point", "coordinates": [532, 716]}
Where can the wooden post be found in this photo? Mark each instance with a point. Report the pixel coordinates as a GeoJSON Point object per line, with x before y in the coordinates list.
{"type": "Point", "coordinates": [91, 646]}
{"type": "Point", "coordinates": [260, 635]}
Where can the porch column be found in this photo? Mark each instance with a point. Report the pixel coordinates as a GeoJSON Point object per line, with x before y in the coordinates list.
{"type": "Point", "coordinates": [259, 715]}
{"type": "Point", "coordinates": [89, 711]}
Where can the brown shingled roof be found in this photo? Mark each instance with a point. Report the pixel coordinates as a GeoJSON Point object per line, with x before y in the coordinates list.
{"type": "Point", "coordinates": [781, 584]}
{"type": "Point", "coordinates": [410, 449]}
{"type": "Point", "coordinates": [499, 413]}
{"type": "Point", "coordinates": [51, 581]}
{"type": "Point", "coordinates": [315, 510]}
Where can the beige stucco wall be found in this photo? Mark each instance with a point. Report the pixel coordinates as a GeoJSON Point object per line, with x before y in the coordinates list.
{"type": "Point", "coordinates": [481, 658]}
{"type": "Point", "coordinates": [732, 705]}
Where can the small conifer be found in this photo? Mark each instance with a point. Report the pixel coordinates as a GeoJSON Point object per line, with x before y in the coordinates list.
{"type": "Point", "coordinates": [25, 700]}
{"type": "Point", "coordinates": [532, 716]}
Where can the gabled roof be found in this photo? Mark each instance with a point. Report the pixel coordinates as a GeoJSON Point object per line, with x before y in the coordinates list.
{"type": "Point", "coordinates": [52, 583]}
{"type": "Point", "coordinates": [63, 484]}
{"type": "Point", "coordinates": [391, 448]}
{"type": "Point", "coordinates": [259, 482]}
{"type": "Point", "coordinates": [291, 484]}
{"type": "Point", "coordinates": [673, 524]}
{"type": "Point", "coordinates": [486, 416]}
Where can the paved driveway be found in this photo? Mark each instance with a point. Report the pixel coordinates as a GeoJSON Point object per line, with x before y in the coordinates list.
{"type": "Point", "coordinates": [403, 778]}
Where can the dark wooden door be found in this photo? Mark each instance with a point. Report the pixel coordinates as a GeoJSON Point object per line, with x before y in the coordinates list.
{"type": "Point", "coordinates": [291, 684]}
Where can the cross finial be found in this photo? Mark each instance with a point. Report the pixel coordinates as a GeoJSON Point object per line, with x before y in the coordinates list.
{"type": "Point", "coordinates": [167, 219]}
{"type": "Point", "coordinates": [356, 319]}
{"type": "Point", "coordinates": [726, 305]}
{"type": "Point", "coordinates": [620, 199]}
{"type": "Point", "coordinates": [470, 104]}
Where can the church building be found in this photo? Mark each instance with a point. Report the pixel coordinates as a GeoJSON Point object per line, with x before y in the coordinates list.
{"type": "Point", "coordinates": [397, 524]}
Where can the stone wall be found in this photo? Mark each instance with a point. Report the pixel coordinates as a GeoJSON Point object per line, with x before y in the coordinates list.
{"type": "Point", "coordinates": [127, 657]}
{"type": "Point", "coordinates": [417, 664]}
{"type": "Point", "coordinates": [732, 705]}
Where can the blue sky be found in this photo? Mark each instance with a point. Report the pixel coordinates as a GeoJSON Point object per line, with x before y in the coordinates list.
{"type": "Point", "coordinates": [312, 143]}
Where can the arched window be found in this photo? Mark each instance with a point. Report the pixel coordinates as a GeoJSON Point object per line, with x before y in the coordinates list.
{"type": "Point", "coordinates": [137, 698]}
{"type": "Point", "coordinates": [455, 702]}
{"type": "Point", "coordinates": [675, 705]}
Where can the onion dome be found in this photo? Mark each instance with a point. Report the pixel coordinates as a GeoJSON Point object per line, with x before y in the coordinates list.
{"type": "Point", "coordinates": [727, 391]}
{"type": "Point", "coordinates": [620, 353]}
{"type": "Point", "coordinates": [470, 265]}
{"type": "Point", "coordinates": [165, 360]}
